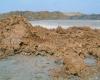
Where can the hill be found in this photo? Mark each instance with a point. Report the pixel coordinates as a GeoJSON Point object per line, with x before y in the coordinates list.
{"type": "Point", "coordinates": [44, 15]}
{"type": "Point", "coordinates": [56, 15]}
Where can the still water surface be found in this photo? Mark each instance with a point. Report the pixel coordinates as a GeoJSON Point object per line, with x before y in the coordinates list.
{"type": "Point", "coordinates": [21, 67]}
{"type": "Point", "coordinates": [67, 23]}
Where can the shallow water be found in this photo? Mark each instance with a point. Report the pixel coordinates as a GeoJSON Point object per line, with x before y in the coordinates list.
{"type": "Point", "coordinates": [21, 67]}
{"type": "Point", "coordinates": [90, 61]}
{"type": "Point", "coordinates": [26, 68]}
{"type": "Point", "coordinates": [67, 23]}
{"type": "Point", "coordinates": [95, 77]}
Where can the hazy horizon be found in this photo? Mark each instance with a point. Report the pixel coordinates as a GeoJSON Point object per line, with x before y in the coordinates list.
{"type": "Point", "coordinates": [86, 6]}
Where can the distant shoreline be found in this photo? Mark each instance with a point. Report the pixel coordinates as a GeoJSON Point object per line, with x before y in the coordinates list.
{"type": "Point", "coordinates": [55, 15]}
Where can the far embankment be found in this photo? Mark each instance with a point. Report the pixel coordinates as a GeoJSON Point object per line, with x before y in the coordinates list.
{"type": "Point", "coordinates": [55, 15]}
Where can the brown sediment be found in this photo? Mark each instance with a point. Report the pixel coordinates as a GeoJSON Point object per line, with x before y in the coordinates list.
{"type": "Point", "coordinates": [72, 45]}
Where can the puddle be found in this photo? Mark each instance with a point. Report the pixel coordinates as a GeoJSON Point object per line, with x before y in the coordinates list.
{"type": "Point", "coordinates": [90, 61]}
{"type": "Point", "coordinates": [72, 77]}
{"type": "Point", "coordinates": [95, 77]}
{"type": "Point", "coordinates": [21, 67]}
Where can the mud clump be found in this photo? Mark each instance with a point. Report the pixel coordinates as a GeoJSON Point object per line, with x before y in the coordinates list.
{"type": "Point", "coordinates": [15, 36]}
{"type": "Point", "coordinates": [71, 45]}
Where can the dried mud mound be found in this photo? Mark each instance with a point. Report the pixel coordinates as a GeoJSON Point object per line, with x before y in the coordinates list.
{"type": "Point", "coordinates": [15, 36]}
{"type": "Point", "coordinates": [72, 45]}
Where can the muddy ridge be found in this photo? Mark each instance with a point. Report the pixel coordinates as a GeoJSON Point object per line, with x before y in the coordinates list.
{"type": "Point", "coordinates": [72, 45]}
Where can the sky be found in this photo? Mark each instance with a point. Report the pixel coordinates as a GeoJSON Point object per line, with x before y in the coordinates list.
{"type": "Point", "coordinates": [83, 6]}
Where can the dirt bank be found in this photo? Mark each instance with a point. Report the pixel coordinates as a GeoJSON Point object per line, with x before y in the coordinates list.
{"type": "Point", "coordinates": [72, 45]}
